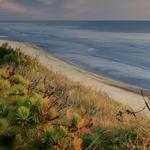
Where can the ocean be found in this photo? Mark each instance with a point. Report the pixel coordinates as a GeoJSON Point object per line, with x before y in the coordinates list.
{"type": "Point", "coordinates": [119, 50]}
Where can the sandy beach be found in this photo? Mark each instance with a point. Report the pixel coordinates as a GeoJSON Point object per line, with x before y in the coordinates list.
{"type": "Point", "coordinates": [121, 92]}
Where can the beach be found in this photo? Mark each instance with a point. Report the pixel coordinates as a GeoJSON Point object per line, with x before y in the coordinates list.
{"type": "Point", "coordinates": [120, 92]}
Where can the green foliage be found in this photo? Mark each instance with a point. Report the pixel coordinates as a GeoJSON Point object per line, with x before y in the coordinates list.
{"type": "Point", "coordinates": [3, 74]}
{"type": "Point", "coordinates": [104, 138]}
{"type": "Point", "coordinates": [22, 115]}
{"type": "Point", "coordinates": [3, 110]}
{"type": "Point", "coordinates": [17, 79]}
{"type": "Point", "coordinates": [49, 139]}
{"type": "Point", "coordinates": [36, 144]}
{"type": "Point", "coordinates": [88, 140]}
{"type": "Point", "coordinates": [4, 125]}
{"type": "Point", "coordinates": [4, 85]}
{"type": "Point", "coordinates": [10, 56]}
{"type": "Point", "coordinates": [4, 46]}
{"type": "Point", "coordinates": [4, 50]}
{"type": "Point", "coordinates": [18, 89]}
{"type": "Point", "coordinates": [62, 131]}
{"type": "Point", "coordinates": [53, 137]}
{"type": "Point", "coordinates": [36, 99]}
{"type": "Point", "coordinates": [7, 133]}
{"type": "Point", "coordinates": [35, 115]}
{"type": "Point", "coordinates": [8, 137]}
{"type": "Point", "coordinates": [18, 141]}
{"type": "Point", "coordinates": [24, 101]}
{"type": "Point", "coordinates": [127, 139]}
{"type": "Point", "coordinates": [26, 122]}
{"type": "Point", "coordinates": [75, 120]}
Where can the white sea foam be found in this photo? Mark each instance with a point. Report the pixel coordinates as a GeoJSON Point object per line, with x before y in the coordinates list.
{"type": "Point", "coordinates": [3, 36]}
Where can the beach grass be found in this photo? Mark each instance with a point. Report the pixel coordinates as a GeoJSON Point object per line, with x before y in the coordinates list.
{"type": "Point", "coordinates": [42, 109]}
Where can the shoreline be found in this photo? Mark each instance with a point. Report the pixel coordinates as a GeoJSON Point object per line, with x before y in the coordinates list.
{"type": "Point", "coordinates": [103, 79]}
{"type": "Point", "coordinates": [118, 91]}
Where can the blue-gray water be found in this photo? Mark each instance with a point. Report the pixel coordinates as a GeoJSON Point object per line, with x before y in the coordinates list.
{"type": "Point", "coordinates": [119, 50]}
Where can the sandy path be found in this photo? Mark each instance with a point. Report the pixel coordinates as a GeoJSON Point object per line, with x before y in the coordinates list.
{"type": "Point", "coordinates": [111, 87]}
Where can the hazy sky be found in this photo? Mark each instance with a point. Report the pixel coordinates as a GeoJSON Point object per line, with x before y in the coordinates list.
{"type": "Point", "coordinates": [75, 9]}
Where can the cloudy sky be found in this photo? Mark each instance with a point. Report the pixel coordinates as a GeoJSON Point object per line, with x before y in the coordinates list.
{"type": "Point", "coordinates": [75, 9]}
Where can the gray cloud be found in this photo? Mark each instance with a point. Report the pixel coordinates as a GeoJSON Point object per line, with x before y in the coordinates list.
{"type": "Point", "coordinates": [76, 9]}
{"type": "Point", "coordinates": [37, 3]}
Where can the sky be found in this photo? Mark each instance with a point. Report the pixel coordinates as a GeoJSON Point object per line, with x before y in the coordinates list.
{"type": "Point", "coordinates": [74, 9]}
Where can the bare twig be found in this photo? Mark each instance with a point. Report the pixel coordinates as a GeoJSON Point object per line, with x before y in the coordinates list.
{"type": "Point", "coordinates": [146, 103]}
{"type": "Point", "coordinates": [32, 86]}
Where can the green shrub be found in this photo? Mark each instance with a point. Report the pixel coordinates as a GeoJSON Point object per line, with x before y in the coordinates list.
{"type": "Point", "coordinates": [53, 136]}
{"type": "Point", "coordinates": [75, 120]}
{"type": "Point", "coordinates": [4, 45]}
{"type": "Point", "coordinates": [88, 140]}
{"type": "Point", "coordinates": [35, 115]}
{"type": "Point", "coordinates": [4, 125]}
{"type": "Point", "coordinates": [62, 131]}
{"type": "Point", "coordinates": [19, 141]}
{"type": "Point", "coordinates": [22, 115]}
{"type": "Point", "coordinates": [17, 79]}
{"type": "Point", "coordinates": [49, 139]}
{"type": "Point", "coordinates": [7, 133]}
{"type": "Point", "coordinates": [24, 101]}
{"type": "Point", "coordinates": [4, 84]}
{"type": "Point", "coordinates": [127, 139]}
{"type": "Point", "coordinates": [3, 52]}
{"type": "Point", "coordinates": [7, 138]}
{"type": "Point", "coordinates": [36, 144]}
{"type": "Point", "coordinates": [18, 89]}
{"type": "Point", "coordinates": [11, 58]}
{"type": "Point", "coordinates": [3, 110]}
{"type": "Point", "coordinates": [3, 74]}
{"type": "Point", "coordinates": [36, 99]}
{"type": "Point", "coordinates": [9, 55]}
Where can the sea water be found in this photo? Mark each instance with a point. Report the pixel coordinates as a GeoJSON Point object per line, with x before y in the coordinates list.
{"type": "Point", "coordinates": [116, 49]}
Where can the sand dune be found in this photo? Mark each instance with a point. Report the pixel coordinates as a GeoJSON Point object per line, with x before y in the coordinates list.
{"type": "Point", "coordinates": [123, 93]}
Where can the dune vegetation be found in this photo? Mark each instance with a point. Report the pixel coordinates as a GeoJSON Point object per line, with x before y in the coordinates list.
{"type": "Point", "coordinates": [43, 110]}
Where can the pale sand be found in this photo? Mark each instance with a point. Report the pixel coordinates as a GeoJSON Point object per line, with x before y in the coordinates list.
{"type": "Point", "coordinates": [118, 91]}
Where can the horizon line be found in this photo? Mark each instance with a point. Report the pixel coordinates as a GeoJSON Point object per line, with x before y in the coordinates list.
{"type": "Point", "coordinates": [67, 20]}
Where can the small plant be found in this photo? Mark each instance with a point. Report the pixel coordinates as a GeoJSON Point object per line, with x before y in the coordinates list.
{"type": "Point", "coordinates": [75, 120]}
{"type": "Point", "coordinates": [36, 99]}
{"type": "Point", "coordinates": [23, 115]}
{"type": "Point", "coordinates": [17, 79]}
{"type": "Point", "coordinates": [4, 85]}
{"type": "Point", "coordinates": [127, 139]}
{"type": "Point", "coordinates": [25, 101]}
{"type": "Point", "coordinates": [3, 74]}
{"type": "Point", "coordinates": [53, 137]}
{"type": "Point", "coordinates": [3, 110]}
{"type": "Point", "coordinates": [9, 55]}
{"type": "Point", "coordinates": [4, 125]}
{"type": "Point", "coordinates": [18, 141]}
{"type": "Point", "coordinates": [36, 144]}
{"type": "Point", "coordinates": [5, 45]}
{"type": "Point", "coordinates": [7, 133]}
{"type": "Point", "coordinates": [7, 137]}
{"type": "Point", "coordinates": [88, 140]}
{"type": "Point", "coordinates": [18, 89]}
{"type": "Point", "coordinates": [62, 131]}
{"type": "Point", "coordinates": [35, 115]}
{"type": "Point", "coordinates": [49, 139]}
